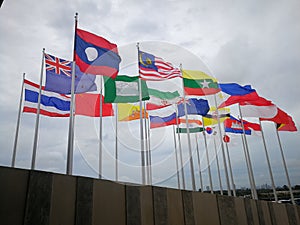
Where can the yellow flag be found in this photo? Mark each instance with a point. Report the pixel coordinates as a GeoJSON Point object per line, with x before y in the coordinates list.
{"type": "Point", "coordinates": [128, 112]}
{"type": "Point", "coordinates": [212, 112]}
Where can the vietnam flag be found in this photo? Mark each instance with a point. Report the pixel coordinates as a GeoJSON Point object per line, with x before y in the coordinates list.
{"type": "Point", "coordinates": [89, 105]}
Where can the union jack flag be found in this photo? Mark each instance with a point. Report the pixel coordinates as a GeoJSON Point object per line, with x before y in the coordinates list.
{"type": "Point", "coordinates": [57, 65]}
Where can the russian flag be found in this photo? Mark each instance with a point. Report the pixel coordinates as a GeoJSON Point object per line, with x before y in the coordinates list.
{"type": "Point", "coordinates": [96, 55]}
{"type": "Point", "coordinates": [52, 104]}
{"type": "Point", "coordinates": [157, 121]}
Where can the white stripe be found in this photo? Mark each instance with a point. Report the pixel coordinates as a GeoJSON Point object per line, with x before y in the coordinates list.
{"type": "Point", "coordinates": [259, 111]}
{"type": "Point", "coordinates": [163, 112]}
{"type": "Point", "coordinates": [46, 108]}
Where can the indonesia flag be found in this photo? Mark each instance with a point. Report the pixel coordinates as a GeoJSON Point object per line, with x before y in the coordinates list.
{"type": "Point", "coordinates": [153, 68]}
{"type": "Point", "coordinates": [52, 104]}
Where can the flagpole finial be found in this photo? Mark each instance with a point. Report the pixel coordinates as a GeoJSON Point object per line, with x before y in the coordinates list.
{"type": "Point", "coordinates": [43, 49]}
{"type": "Point", "coordinates": [138, 45]}
{"type": "Point", "coordinates": [24, 75]}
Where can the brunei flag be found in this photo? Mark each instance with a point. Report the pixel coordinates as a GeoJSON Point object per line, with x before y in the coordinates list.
{"type": "Point", "coordinates": [129, 112]}
{"type": "Point", "coordinates": [199, 83]}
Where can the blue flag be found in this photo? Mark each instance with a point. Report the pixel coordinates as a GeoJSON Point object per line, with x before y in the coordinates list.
{"type": "Point", "coordinates": [59, 79]}
{"type": "Point", "coordinates": [194, 107]}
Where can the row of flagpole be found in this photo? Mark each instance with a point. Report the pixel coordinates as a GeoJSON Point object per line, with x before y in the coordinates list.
{"type": "Point", "coordinates": [146, 164]}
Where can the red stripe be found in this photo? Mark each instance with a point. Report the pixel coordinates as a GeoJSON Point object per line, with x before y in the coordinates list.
{"type": "Point", "coordinates": [164, 124]}
{"type": "Point", "coordinates": [86, 68]}
{"type": "Point", "coordinates": [200, 91]}
{"type": "Point", "coordinates": [44, 112]}
{"type": "Point", "coordinates": [96, 40]}
{"type": "Point", "coordinates": [151, 106]}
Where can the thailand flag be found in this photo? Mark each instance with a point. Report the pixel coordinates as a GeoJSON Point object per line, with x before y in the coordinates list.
{"type": "Point", "coordinates": [52, 104]}
{"type": "Point", "coordinates": [96, 55]}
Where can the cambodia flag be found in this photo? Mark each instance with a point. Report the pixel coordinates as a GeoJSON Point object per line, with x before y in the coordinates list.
{"type": "Point", "coordinates": [233, 125]}
{"type": "Point", "coordinates": [96, 55]}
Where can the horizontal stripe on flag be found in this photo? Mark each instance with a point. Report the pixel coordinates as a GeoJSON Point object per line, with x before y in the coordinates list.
{"type": "Point", "coordinates": [150, 106]}
{"type": "Point", "coordinates": [259, 111]}
{"type": "Point", "coordinates": [156, 121]}
{"type": "Point", "coordinates": [191, 130]}
{"type": "Point", "coordinates": [44, 112]}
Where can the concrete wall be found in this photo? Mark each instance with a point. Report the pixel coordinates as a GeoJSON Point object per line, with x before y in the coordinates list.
{"type": "Point", "coordinates": [35, 197]}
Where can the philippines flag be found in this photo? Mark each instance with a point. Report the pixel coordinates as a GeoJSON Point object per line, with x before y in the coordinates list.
{"type": "Point", "coordinates": [59, 77]}
{"type": "Point", "coordinates": [154, 68]}
{"type": "Point", "coordinates": [52, 104]}
{"type": "Point", "coordinates": [96, 55]}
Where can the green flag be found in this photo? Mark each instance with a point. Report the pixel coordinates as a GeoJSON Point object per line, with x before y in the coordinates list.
{"type": "Point", "coordinates": [124, 89]}
{"type": "Point", "coordinates": [191, 130]}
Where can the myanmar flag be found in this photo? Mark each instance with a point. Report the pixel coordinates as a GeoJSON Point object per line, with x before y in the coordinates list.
{"type": "Point", "coordinates": [199, 83]}
{"type": "Point", "coordinates": [128, 112]}
{"type": "Point", "coordinates": [124, 89]}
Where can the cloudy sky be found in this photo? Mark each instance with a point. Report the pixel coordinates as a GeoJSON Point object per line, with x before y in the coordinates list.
{"type": "Point", "coordinates": [247, 42]}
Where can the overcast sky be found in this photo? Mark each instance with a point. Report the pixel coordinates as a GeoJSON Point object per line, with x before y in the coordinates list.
{"type": "Point", "coordinates": [247, 42]}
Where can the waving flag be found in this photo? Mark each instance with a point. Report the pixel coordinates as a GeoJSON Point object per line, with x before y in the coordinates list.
{"type": "Point", "coordinates": [234, 125]}
{"type": "Point", "coordinates": [52, 104]}
{"type": "Point", "coordinates": [129, 112]}
{"type": "Point", "coordinates": [124, 89]}
{"type": "Point", "coordinates": [194, 107]}
{"type": "Point", "coordinates": [158, 121]}
{"type": "Point", "coordinates": [283, 120]}
{"type": "Point", "coordinates": [199, 83]}
{"type": "Point", "coordinates": [59, 77]}
{"type": "Point", "coordinates": [89, 105]}
{"type": "Point", "coordinates": [155, 68]}
{"type": "Point", "coordinates": [96, 55]}
{"type": "Point", "coordinates": [159, 99]}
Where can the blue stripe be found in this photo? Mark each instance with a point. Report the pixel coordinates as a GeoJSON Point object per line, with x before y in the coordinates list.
{"type": "Point", "coordinates": [236, 89]}
{"type": "Point", "coordinates": [32, 96]}
{"type": "Point", "coordinates": [237, 131]}
{"type": "Point", "coordinates": [105, 57]}
{"type": "Point", "coordinates": [158, 119]}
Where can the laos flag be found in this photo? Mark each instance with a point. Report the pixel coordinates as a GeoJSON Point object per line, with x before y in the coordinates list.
{"type": "Point", "coordinates": [96, 55]}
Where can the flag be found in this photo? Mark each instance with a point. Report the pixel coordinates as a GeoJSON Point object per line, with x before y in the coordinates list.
{"type": "Point", "coordinates": [234, 125]}
{"type": "Point", "coordinates": [159, 99]}
{"type": "Point", "coordinates": [155, 68]}
{"type": "Point", "coordinates": [128, 112]}
{"type": "Point", "coordinates": [124, 89]}
{"type": "Point", "coordinates": [199, 83]}
{"type": "Point", "coordinates": [89, 105]}
{"type": "Point", "coordinates": [283, 121]}
{"type": "Point", "coordinates": [59, 77]}
{"type": "Point", "coordinates": [52, 104]}
{"type": "Point", "coordinates": [211, 117]}
{"type": "Point", "coordinates": [190, 121]}
{"type": "Point", "coordinates": [191, 130]}
{"type": "Point", "coordinates": [194, 107]}
{"type": "Point", "coordinates": [159, 121]}
{"type": "Point", "coordinates": [96, 55]}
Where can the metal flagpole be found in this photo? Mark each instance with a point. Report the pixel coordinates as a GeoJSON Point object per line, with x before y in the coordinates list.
{"type": "Point", "coordinates": [149, 150]}
{"type": "Point", "coordinates": [248, 157]}
{"type": "Point", "coordinates": [146, 146]}
{"type": "Point", "coordinates": [180, 150]}
{"type": "Point", "coordinates": [222, 148]}
{"type": "Point", "coordinates": [218, 167]}
{"type": "Point", "coordinates": [230, 170]}
{"type": "Point", "coordinates": [268, 161]}
{"type": "Point", "coordinates": [207, 159]}
{"type": "Point", "coordinates": [116, 154]}
{"type": "Point", "coordinates": [37, 121]}
{"type": "Point", "coordinates": [100, 128]}
{"type": "Point", "coordinates": [141, 128]}
{"type": "Point", "coordinates": [71, 121]}
{"type": "Point", "coordinates": [176, 158]}
{"type": "Point", "coordinates": [285, 167]}
{"type": "Point", "coordinates": [189, 137]}
{"type": "Point", "coordinates": [13, 161]}
{"type": "Point", "coordinates": [199, 165]}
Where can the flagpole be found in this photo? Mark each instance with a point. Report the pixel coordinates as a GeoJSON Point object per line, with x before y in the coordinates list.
{"type": "Point", "coordinates": [222, 148]}
{"type": "Point", "coordinates": [199, 165]}
{"type": "Point", "coordinates": [248, 157]}
{"type": "Point", "coordinates": [116, 153]}
{"type": "Point", "coordinates": [230, 170]}
{"type": "Point", "coordinates": [176, 158]}
{"type": "Point", "coordinates": [207, 159]}
{"type": "Point", "coordinates": [13, 161]}
{"type": "Point", "coordinates": [285, 167]}
{"type": "Point", "coordinates": [218, 167]}
{"type": "Point", "coordinates": [141, 128]}
{"type": "Point", "coordinates": [146, 145]}
{"type": "Point", "coordinates": [71, 121]}
{"type": "Point", "coordinates": [189, 138]}
{"type": "Point", "coordinates": [268, 161]}
{"type": "Point", "coordinates": [100, 128]}
{"type": "Point", "coordinates": [180, 150]}
{"type": "Point", "coordinates": [37, 121]}
{"type": "Point", "coordinates": [149, 150]}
